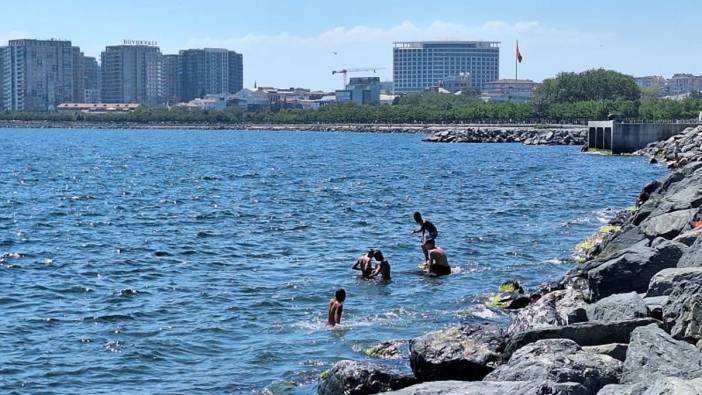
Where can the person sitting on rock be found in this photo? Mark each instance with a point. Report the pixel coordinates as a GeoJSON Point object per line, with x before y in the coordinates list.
{"type": "Point", "coordinates": [383, 266]}
{"type": "Point", "coordinates": [429, 232]}
{"type": "Point", "coordinates": [438, 262]}
{"type": "Point", "coordinates": [336, 307]}
{"type": "Point", "coordinates": [364, 264]}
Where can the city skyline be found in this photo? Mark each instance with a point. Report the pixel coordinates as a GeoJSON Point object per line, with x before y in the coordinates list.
{"type": "Point", "coordinates": [299, 43]}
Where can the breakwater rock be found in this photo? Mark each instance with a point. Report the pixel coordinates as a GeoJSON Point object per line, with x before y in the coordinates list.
{"type": "Point", "coordinates": [677, 151]}
{"type": "Point", "coordinates": [526, 135]}
{"type": "Point", "coordinates": [626, 320]}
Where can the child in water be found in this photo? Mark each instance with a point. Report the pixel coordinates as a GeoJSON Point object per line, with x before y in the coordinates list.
{"type": "Point", "coordinates": [429, 232]}
{"type": "Point", "coordinates": [336, 307]}
{"type": "Point", "coordinates": [383, 266]}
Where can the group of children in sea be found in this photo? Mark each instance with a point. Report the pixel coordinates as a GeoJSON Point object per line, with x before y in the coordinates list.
{"type": "Point", "coordinates": [435, 264]}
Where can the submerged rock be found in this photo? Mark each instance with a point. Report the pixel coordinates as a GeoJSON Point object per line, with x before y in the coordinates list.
{"type": "Point", "coordinates": [559, 360]}
{"type": "Point", "coordinates": [653, 355]}
{"type": "Point", "coordinates": [458, 353]}
{"type": "Point", "coordinates": [360, 378]}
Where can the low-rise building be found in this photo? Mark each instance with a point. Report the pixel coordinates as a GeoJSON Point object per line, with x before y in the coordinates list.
{"type": "Point", "coordinates": [650, 81]}
{"type": "Point", "coordinates": [98, 108]}
{"type": "Point", "coordinates": [360, 90]}
{"type": "Point", "coordinates": [680, 84]}
{"type": "Point", "coordinates": [518, 91]}
{"type": "Point", "coordinates": [457, 83]}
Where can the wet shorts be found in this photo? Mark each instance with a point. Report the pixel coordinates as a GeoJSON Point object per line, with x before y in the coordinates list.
{"type": "Point", "coordinates": [440, 270]}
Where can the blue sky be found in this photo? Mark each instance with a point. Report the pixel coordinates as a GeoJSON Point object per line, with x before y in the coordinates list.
{"type": "Point", "coordinates": [292, 43]}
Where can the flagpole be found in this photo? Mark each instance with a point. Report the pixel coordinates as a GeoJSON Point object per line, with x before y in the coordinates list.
{"type": "Point", "coordinates": [516, 72]}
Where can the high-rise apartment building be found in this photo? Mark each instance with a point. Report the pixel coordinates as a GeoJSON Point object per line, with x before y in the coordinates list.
{"type": "Point", "coordinates": [209, 71]}
{"type": "Point", "coordinates": [171, 78]}
{"type": "Point", "coordinates": [91, 79]}
{"type": "Point", "coordinates": [423, 64]}
{"type": "Point", "coordinates": [37, 75]}
{"type": "Point", "coordinates": [132, 73]}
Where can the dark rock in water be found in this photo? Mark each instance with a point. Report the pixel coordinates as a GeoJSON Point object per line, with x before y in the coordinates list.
{"type": "Point", "coordinates": [387, 350]}
{"type": "Point", "coordinates": [632, 270]}
{"type": "Point", "coordinates": [458, 353]}
{"type": "Point", "coordinates": [554, 309]}
{"type": "Point", "coordinates": [360, 378]}
{"type": "Point", "coordinates": [618, 307]}
{"type": "Point", "coordinates": [692, 256]}
{"type": "Point", "coordinates": [662, 283]}
{"type": "Point", "coordinates": [682, 313]}
{"type": "Point", "coordinates": [614, 350]}
{"type": "Point", "coordinates": [517, 301]}
{"type": "Point", "coordinates": [585, 333]}
{"type": "Point", "coordinates": [668, 225]}
{"type": "Point", "coordinates": [511, 286]}
{"type": "Point", "coordinates": [559, 360]}
{"type": "Point", "coordinates": [493, 388]}
{"type": "Point", "coordinates": [653, 355]}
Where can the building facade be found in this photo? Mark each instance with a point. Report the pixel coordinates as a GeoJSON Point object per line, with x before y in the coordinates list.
{"type": "Point", "coordinates": [209, 71]}
{"type": "Point", "coordinates": [132, 73]}
{"type": "Point", "coordinates": [171, 78]}
{"type": "Point", "coordinates": [91, 80]}
{"type": "Point", "coordinates": [37, 75]}
{"type": "Point", "coordinates": [422, 64]}
{"type": "Point", "coordinates": [360, 90]}
{"type": "Point", "coordinates": [680, 84]}
{"type": "Point", "coordinates": [517, 91]}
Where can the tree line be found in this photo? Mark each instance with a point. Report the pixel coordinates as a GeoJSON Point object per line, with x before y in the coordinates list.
{"type": "Point", "coordinates": [569, 97]}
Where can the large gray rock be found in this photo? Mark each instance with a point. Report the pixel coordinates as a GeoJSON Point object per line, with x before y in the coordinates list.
{"type": "Point", "coordinates": [493, 388]}
{"type": "Point", "coordinates": [690, 237]}
{"type": "Point", "coordinates": [559, 360]}
{"type": "Point", "coordinates": [655, 306]}
{"type": "Point", "coordinates": [692, 256]}
{"type": "Point", "coordinates": [585, 333]}
{"type": "Point", "coordinates": [668, 225]}
{"type": "Point", "coordinates": [653, 355]}
{"type": "Point", "coordinates": [618, 307]}
{"type": "Point", "coordinates": [662, 283]}
{"type": "Point", "coordinates": [614, 350]}
{"type": "Point", "coordinates": [625, 238]}
{"type": "Point", "coordinates": [666, 386]}
{"type": "Point", "coordinates": [633, 270]}
{"type": "Point", "coordinates": [682, 313]}
{"type": "Point", "coordinates": [457, 353]}
{"type": "Point", "coordinates": [556, 308]}
{"type": "Point", "coordinates": [358, 378]}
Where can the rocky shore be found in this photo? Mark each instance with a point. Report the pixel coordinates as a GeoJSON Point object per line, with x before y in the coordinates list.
{"type": "Point", "coordinates": [626, 320]}
{"type": "Point", "coordinates": [678, 150]}
{"type": "Point", "coordinates": [486, 133]}
{"type": "Point", "coordinates": [526, 135]}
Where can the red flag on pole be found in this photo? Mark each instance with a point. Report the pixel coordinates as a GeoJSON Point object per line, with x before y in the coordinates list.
{"type": "Point", "coordinates": [519, 54]}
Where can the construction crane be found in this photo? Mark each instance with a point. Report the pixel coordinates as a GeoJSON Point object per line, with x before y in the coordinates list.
{"type": "Point", "coordinates": [345, 72]}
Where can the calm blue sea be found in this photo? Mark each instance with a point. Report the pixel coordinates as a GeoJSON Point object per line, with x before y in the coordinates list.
{"type": "Point", "coordinates": [203, 261]}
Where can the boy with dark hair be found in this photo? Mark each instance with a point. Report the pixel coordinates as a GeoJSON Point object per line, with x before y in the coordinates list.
{"type": "Point", "coordinates": [383, 266]}
{"type": "Point", "coordinates": [336, 307]}
{"type": "Point", "coordinates": [438, 262]}
{"type": "Point", "coordinates": [429, 232]}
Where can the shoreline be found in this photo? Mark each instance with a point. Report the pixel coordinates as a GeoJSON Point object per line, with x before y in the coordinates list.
{"type": "Point", "coordinates": [624, 320]}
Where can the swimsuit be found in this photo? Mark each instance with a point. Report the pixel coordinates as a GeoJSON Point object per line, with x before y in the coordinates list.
{"type": "Point", "coordinates": [440, 270]}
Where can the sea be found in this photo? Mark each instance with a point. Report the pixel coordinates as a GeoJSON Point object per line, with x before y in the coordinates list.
{"type": "Point", "coordinates": [202, 262]}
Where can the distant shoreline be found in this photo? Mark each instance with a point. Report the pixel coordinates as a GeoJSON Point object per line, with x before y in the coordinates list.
{"type": "Point", "coordinates": [349, 127]}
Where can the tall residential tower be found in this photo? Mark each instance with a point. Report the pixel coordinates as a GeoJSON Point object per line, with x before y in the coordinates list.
{"type": "Point", "coordinates": [132, 73]}
{"type": "Point", "coordinates": [209, 71]}
{"type": "Point", "coordinates": [422, 64]}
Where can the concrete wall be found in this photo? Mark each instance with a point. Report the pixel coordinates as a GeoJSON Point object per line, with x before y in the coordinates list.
{"type": "Point", "coordinates": [629, 137]}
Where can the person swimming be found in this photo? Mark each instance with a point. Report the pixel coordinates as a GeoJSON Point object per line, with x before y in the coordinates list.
{"type": "Point", "coordinates": [438, 261]}
{"type": "Point", "coordinates": [429, 232]}
{"type": "Point", "coordinates": [336, 307]}
{"type": "Point", "coordinates": [383, 266]}
{"type": "Point", "coordinates": [364, 264]}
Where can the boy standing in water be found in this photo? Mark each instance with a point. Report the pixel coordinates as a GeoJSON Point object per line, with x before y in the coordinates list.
{"type": "Point", "coordinates": [383, 266]}
{"type": "Point", "coordinates": [438, 262]}
{"type": "Point", "coordinates": [429, 232]}
{"type": "Point", "coordinates": [336, 307]}
{"type": "Point", "coordinates": [364, 264]}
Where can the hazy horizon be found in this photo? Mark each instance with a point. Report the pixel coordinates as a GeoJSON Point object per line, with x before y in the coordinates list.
{"type": "Point", "coordinates": [299, 43]}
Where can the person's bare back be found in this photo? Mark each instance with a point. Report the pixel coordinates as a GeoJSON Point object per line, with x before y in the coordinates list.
{"type": "Point", "coordinates": [336, 307]}
{"type": "Point", "coordinates": [438, 261]}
